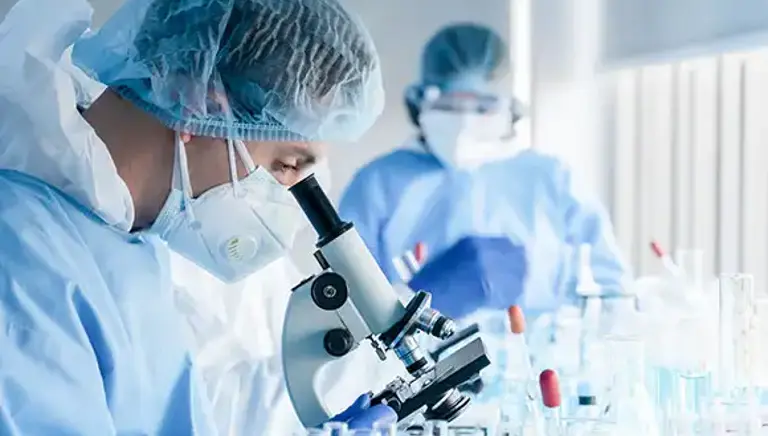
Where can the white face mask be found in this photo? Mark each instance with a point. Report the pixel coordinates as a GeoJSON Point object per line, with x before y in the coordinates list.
{"type": "Point", "coordinates": [231, 230]}
{"type": "Point", "coordinates": [468, 140]}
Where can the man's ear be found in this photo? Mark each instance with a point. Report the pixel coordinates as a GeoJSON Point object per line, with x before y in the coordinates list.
{"type": "Point", "coordinates": [185, 137]}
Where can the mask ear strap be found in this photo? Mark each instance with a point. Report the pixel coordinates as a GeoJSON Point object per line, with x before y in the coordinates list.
{"type": "Point", "coordinates": [182, 169]}
{"type": "Point", "coordinates": [233, 168]}
{"type": "Point", "coordinates": [242, 151]}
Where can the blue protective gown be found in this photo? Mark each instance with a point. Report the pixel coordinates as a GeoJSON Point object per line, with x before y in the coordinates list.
{"type": "Point", "coordinates": [90, 340]}
{"type": "Point", "coordinates": [408, 197]}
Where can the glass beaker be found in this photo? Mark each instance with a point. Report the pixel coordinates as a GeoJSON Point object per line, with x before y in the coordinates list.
{"type": "Point", "coordinates": [589, 427]}
{"type": "Point", "coordinates": [630, 405]}
{"type": "Point", "coordinates": [738, 337]}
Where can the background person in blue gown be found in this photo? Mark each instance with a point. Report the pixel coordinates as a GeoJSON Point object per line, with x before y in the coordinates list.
{"type": "Point", "coordinates": [502, 223]}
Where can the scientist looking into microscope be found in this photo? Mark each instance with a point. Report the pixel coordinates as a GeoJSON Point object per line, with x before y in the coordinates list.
{"type": "Point", "coordinates": [237, 344]}
{"type": "Point", "coordinates": [499, 221]}
{"type": "Point", "coordinates": [212, 109]}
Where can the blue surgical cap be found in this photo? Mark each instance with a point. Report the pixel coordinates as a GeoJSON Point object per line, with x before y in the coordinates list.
{"type": "Point", "coordinates": [461, 57]}
{"type": "Point", "coordinates": [241, 69]}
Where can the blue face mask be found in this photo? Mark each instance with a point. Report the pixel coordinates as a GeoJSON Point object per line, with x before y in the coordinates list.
{"type": "Point", "coordinates": [232, 230]}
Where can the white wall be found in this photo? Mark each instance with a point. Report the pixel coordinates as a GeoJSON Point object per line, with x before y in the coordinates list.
{"type": "Point", "coordinates": [567, 96]}
{"type": "Point", "coordinates": [575, 47]}
{"type": "Point", "coordinates": [649, 30]}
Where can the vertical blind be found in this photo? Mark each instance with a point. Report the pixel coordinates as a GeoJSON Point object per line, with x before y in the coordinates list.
{"type": "Point", "coordinates": [690, 161]}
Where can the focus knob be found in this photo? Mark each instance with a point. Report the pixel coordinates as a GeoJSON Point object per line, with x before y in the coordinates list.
{"type": "Point", "coordinates": [338, 342]}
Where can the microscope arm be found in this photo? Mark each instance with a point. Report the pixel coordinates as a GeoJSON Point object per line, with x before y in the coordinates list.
{"type": "Point", "coordinates": [306, 335]}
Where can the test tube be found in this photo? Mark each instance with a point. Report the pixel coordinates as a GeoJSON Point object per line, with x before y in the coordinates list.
{"type": "Point", "coordinates": [313, 432]}
{"type": "Point", "coordinates": [436, 428]}
{"type": "Point", "coordinates": [738, 339]}
{"type": "Point", "coordinates": [589, 427]}
{"type": "Point", "coordinates": [406, 266]}
{"type": "Point", "coordinates": [336, 428]}
{"type": "Point", "coordinates": [474, 430]}
{"type": "Point", "coordinates": [566, 275]}
{"type": "Point", "coordinates": [666, 260]}
{"type": "Point", "coordinates": [512, 429]}
{"type": "Point", "coordinates": [550, 395]}
{"type": "Point", "coordinates": [717, 419]}
{"type": "Point", "coordinates": [761, 312]}
{"type": "Point", "coordinates": [384, 429]}
{"type": "Point", "coordinates": [410, 262]}
{"type": "Point", "coordinates": [589, 293]}
{"type": "Point", "coordinates": [517, 326]}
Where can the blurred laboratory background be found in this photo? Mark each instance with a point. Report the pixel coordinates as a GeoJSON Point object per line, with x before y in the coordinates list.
{"type": "Point", "coordinates": [657, 105]}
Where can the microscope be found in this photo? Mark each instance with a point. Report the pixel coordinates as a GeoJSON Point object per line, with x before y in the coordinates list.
{"type": "Point", "coordinates": [350, 301]}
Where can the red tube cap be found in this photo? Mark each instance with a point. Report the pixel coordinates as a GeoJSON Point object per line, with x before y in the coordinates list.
{"type": "Point", "coordinates": [550, 388]}
{"type": "Point", "coordinates": [657, 250]}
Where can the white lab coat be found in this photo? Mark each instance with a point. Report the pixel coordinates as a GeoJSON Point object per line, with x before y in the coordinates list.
{"type": "Point", "coordinates": [237, 332]}
{"type": "Point", "coordinates": [236, 345]}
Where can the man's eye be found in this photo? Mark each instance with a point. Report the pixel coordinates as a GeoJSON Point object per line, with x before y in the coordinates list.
{"type": "Point", "coordinates": [286, 168]}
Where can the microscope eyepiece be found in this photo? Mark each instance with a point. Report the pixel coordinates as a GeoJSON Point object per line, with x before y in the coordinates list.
{"type": "Point", "coordinates": [319, 210]}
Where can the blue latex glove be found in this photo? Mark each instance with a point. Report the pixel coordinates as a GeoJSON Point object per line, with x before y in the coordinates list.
{"type": "Point", "coordinates": [476, 272]}
{"type": "Point", "coordinates": [361, 415]}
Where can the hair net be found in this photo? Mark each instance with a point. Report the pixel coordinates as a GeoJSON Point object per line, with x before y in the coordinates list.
{"type": "Point", "coordinates": [241, 69]}
{"type": "Point", "coordinates": [460, 57]}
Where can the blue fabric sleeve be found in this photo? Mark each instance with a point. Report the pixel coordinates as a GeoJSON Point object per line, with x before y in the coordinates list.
{"type": "Point", "coordinates": [50, 378]}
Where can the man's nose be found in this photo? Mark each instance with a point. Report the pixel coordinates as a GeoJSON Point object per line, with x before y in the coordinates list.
{"type": "Point", "coordinates": [287, 178]}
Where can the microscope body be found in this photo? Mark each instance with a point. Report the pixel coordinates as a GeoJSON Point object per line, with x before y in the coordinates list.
{"type": "Point", "coordinates": [323, 324]}
{"type": "Point", "coordinates": [331, 313]}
